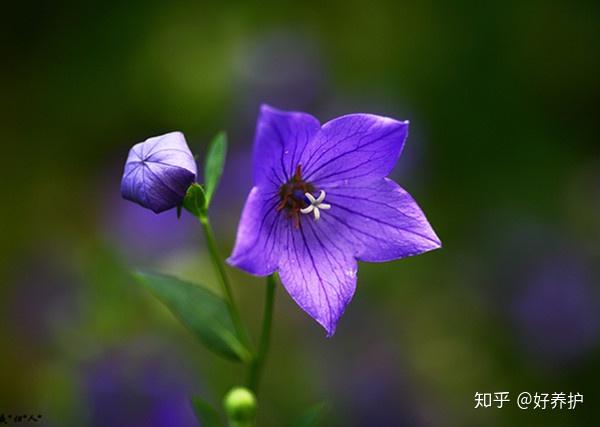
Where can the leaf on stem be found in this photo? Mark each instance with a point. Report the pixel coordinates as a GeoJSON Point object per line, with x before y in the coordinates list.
{"type": "Point", "coordinates": [203, 312]}
{"type": "Point", "coordinates": [213, 165]}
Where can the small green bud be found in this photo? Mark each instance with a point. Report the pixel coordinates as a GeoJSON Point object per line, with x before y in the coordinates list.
{"type": "Point", "coordinates": [195, 200]}
{"type": "Point", "coordinates": [240, 406]}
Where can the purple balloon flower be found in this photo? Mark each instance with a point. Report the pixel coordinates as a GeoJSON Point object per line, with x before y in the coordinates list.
{"type": "Point", "coordinates": [158, 172]}
{"type": "Point", "coordinates": [321, 201]}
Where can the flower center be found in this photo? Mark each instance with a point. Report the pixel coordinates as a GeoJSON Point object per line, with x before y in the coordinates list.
{"type": "Point", "coordinates": [292, 196]}
{"type": "Point", "coordinates": [315, 205]}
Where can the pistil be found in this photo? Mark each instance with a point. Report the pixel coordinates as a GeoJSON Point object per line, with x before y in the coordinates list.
{"type": "Point", "coordinates": [315, 205]}
{"type": "Point", "coordinates": [293, 196]}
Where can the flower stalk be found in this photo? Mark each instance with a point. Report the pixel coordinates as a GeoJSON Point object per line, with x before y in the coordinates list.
{"type": "Point", "coordinates": [223, 278]}
{"type": "Point", "coordinates": [265, 336]}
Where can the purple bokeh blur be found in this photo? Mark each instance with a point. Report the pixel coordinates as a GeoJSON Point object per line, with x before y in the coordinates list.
{"type": "Point", "coordinates": [137, 387]}
{"type": "Point", "coordinates": [545, 290]}
{"type": "Point", "coordinates": [556, 312]}
{"type": "Point", "coordinates": [44, 300]}
{"type": "Point", "coordinates": [140, 233]}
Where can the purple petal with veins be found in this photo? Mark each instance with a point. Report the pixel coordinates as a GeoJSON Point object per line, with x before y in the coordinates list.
{"type": "Point", "coordinates": [321, 202]}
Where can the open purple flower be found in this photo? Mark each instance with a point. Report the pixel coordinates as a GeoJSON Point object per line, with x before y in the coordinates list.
{"type": "Point", "coordinates": [158, 172]}
{"type": "Point", "coordinates": [321, 201]}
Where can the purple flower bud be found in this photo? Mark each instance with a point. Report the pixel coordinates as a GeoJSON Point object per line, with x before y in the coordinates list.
{"type": "Point", "coordinates": [158, 172]}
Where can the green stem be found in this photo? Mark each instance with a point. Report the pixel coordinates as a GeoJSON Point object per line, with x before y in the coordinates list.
{"type": "Point", "coordinates": [263, 346]}
{"type": "Point", "coordinates": [226, 286]}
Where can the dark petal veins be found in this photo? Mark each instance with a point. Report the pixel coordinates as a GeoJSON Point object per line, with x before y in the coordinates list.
{"type": "Point", "coordinates": [281, 138]}
{"type": "Point", "coordinates": [131, 176]}
{"type": "Point", "coordinates": [354, 130]}
{"type": "Point", "coordinates": [171, 149]}
{"type": "Point", "coordinates": [258, 242]}
{"type": "Point", "coordinates": [165, 154]}
{"type": "Point", "coordinates": [157, 187]}
{"type": "Point", "coordinates": [354, 146]}
{"type": "Point", "coordinates": [380, 219]}
{"type": "Point", "coordinates": [275, 178]}
{"type": "Point", "coordinates": [318, 273]}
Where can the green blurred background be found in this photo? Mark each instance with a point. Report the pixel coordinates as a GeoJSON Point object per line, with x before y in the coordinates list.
{"type": "Point", "coordinates": [503, 157]}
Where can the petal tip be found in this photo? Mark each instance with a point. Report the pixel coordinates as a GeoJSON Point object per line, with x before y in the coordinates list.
{"type": "Point", "coordinates": [330, 332]}
{"type": "Point", "coordinates": [249, 266]}
{"type": "Point", "coordinates": [435, 240]}
{"type": "Point", "coordinates": [330, 324]}
{"type": "Point", "coordinates": [266, 108]}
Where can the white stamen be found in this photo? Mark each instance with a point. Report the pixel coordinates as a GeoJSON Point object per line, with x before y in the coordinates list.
{"type": "Point", "coordinates": [315, 205]}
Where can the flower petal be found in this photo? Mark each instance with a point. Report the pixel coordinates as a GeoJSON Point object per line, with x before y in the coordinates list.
{"type": "Point", "coordinates": [318, 274]}
{"type": "Point", "coordinates": [257, 246]}
{"type": "Point", "coordinates": [379, 221]}
{"type": "Point", "coordinates": [156, 187]}
{"type": "Point", "coordinates": [170, 148]}
{"type": "Point", "coordinates": [279, 143]}
{"type": "Point", "coordinates": [355, 146]}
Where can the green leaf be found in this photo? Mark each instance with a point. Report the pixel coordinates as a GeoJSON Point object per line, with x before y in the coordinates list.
{"type": "Point", "coordinates": [311, 416]}
{"type": "Point", "coordinates": [208, 416]}
{"type": "Point", "coordinates": [195, 200]}
{"type": "Point", "coordinates": [203, 312]}
{"type": "Point", "coordinates": [213, 165]}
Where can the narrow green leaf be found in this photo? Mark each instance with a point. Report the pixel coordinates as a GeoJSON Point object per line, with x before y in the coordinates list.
{"type": "Point", "coordinates": [208, 416]}
{"type": "Point", "coordinates": [213, 165]}
{"type": "Point", "coordinates": [195, 200]}
{"type": "Point", "coordinates": [312, 416]}
{"type": "Point", "coordinates": [203, 312]}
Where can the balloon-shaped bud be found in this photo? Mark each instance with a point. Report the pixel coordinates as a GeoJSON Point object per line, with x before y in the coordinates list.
{"type": "Point", "coordinates": [158, 172]}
